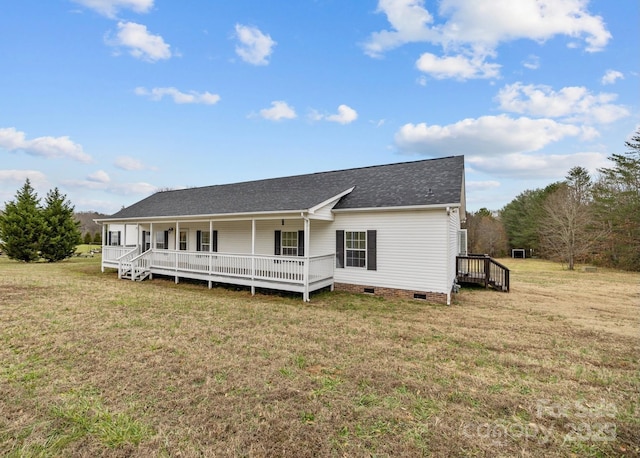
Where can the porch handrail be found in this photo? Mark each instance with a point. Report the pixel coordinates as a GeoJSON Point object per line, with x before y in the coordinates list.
{"type": "Point", "coordinates": [483, 269]}
{"type": "Point", "coordinates": [113, 253]}
{"type": "Point", "coordinates": [123, 260]}
{"type": "Point", "coordinates": [140, 263]}
{"type": "Point", "coordinates": [289, 269]}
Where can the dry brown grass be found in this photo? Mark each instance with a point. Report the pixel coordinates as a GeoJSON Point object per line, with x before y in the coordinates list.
{"type": "Point", "coordinates": [94, 366]}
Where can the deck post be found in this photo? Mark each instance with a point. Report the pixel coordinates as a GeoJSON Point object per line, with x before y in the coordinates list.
{"type": "Point", "coordinates": [104, 243]}
{"type": "Point", "coordinates": [210, 250]}
{"type": "Point", "coordinates": [253, 256]}
{"type": "Point", "coordinates": [307, 229]}
{"type": "Point", "coordinates": [487, 270]}
{"type": "Point", "coordinates": [177, 247]}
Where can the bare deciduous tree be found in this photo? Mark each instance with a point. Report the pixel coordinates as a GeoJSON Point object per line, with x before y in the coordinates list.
{"type": "Point", "coordinates": [568, 229]}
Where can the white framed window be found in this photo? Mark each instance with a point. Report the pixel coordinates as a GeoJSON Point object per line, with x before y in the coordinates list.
{"type": "Point", "coordinates": [146, 240]}
{"type": "Point", "coordinates": [289, 243]}
{"type": "Point", "coordinates": [462, 242]}
{"type": "Point", "coordinates": [356, 249]}
{"type": "Point", "coordinates": [183, 239]}
{"type": "Point", "coordinates": [161, 240]}
{"type": "Point", "coordinates": [114, 238]}
{"type": "Point", "coordinates": [205, 241]}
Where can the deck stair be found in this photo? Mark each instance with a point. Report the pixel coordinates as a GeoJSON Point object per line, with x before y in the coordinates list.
{"type": "Point", "coordinates": [135, 269]}
{"type": "Point", "coordinates": [482, 269]}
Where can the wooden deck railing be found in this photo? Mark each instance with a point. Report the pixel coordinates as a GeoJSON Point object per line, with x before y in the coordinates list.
{"type": "Point", "coordinates": [282, 272]}
{"type": "Point", "coordinates": [484, 270]}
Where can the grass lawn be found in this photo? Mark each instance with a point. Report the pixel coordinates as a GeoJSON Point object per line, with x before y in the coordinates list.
{"type": "Point", "coordinates": [95, 366]}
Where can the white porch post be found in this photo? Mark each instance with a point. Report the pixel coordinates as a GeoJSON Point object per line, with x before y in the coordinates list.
{"type": "Point", "coordinates": [307, 238]}
{"type": "Point", "coordinates": [253, 257]}
{"type": "Point", "coordinates": [104, 242]}
{"type": "Point", "coordinates": [210, 250]}
{"type": "Point", "coordinates": [151, 242]}
{"type": "Point", "coordinates": [177, 246]}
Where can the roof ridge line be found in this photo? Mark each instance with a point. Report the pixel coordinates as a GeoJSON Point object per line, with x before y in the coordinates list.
{"type": "Point", "coordinates": [311, 174]}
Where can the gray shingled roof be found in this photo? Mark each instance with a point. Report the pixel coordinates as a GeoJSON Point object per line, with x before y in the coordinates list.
{"type": "Point", "coordinates": [392, 185]}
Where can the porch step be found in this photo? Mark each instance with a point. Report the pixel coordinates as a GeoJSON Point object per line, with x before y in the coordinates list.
{"type": "Point", "coordinates": [141, 274]}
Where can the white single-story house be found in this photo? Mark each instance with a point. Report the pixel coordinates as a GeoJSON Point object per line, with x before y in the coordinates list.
{"type": "Point", "coordinates": [391, 230]}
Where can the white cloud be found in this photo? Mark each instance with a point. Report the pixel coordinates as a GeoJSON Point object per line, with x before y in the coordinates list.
{"type": "Point", "coordinates": [50, 147]}
{"type": "Point", "coordinates": [345, 115]}
{"type": "Point", "coordinates": [131, 164]}
{"type": "Point", "coordinates": [475, 28]}
{"type": "Point", "coordinates": [458, 67]}
{"type": "Point", "coordinates": [489, 22]}
{"type": "Point", "coordinates": [409, 21]}
{"type": "Point", "coordinates": [487, 135]}
{"type": "Point", "coordinates": [36, 177]}
{"type": "Point", "coordinates": [536, 165]}
{"type": "Point", "coordinates": [126, 189]}
{"type": "Point", "coordinates": [97, 181]}
{"type": "Point", "coordinates": [157, 93]}
{"type": "Point", "coordinates": [279, 110]}
{"type": "Point", "coordinates": [255, 47]}
{"type": "Point", "coordinates": [110, 8]}
{"type": "Point", "coordinates": [611, 76]}
{"type": "Point", "coordinates": [142, 44]}
{"type": "Point", "coordinates": [532, 62]}
{"type": "Point", "coordinates": [99, 176]}
{"type": "Point", "coordinates": [574, 103]}
{"type": "Point", "coordinates": [481, 185]}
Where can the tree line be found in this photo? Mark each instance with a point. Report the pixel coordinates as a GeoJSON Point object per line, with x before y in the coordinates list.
{"type": "Point", "coordinates": [580, 219]}
{"type": "Point", "coordinates": [30, 231]}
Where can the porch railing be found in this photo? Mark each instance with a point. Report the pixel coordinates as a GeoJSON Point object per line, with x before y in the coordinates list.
{"type": "Point", "coordinates": [279, 269]}
{"type": "Point", "coordinates": [114, 253]}
{"type": "Point", "coordinates": [482, 269]}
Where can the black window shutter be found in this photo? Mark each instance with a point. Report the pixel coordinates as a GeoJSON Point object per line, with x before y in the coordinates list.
{"type": "Point", "coordinates": [198, 240]}
{"type": "Point", "coordinates": [109, 238]}
{"type": "Point", "coordinates": [278, 243]}
{"type": "Point", "coordinates": [120, 238]}
{"type": "Point", "coordinates": [340, 249]}
{"type": "Point", "coordinates": [166, 240]}
{"type": "Point", "coordinates": [214, 242]}
{"type": "Point", "coordinates": [300, 243]}
{"type": "Point", "coordinates": [372, 262]}
{"type": "Point", "coordinates": [144, 240]}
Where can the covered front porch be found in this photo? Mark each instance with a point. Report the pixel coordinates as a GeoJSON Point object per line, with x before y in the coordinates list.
{"type": "Point", "coordinates": [273, 252]}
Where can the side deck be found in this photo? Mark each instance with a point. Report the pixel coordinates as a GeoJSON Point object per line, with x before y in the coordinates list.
{"type": "Point", "coordinates": [482, 269]}
{"type": "Point", "coordinates": [285, 273]}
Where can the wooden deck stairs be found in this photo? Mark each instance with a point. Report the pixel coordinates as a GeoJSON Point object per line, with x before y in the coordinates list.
{"type": "Point", "coordinates": [482, 269]}
{"type": "Point", "coordinates": [135, 273]}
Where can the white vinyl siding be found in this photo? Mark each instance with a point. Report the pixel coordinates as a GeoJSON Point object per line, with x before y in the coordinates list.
{"type": "Point", "coordinates": [128, 233]}
{"type": "Point", "coordinates": [235, 237]}
{"type": "Point", "coordinates": [454, 237]}
{"type": "Point", "coordinates": [412, 249]}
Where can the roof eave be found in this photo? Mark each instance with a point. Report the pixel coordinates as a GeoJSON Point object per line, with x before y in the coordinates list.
{"type": "Point", "coordinates": [400, 208]}
{"type": "Point", "coordinates": [206, 217]}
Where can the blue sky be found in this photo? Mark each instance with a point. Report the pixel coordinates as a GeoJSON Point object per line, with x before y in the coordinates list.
{"type": "Point", "coordinates": [110, 100]}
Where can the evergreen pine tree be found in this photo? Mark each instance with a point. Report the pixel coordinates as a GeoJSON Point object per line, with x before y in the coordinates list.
{"type": "Point", "coordinates": [21, 225]}
{"type": "Point", "coordinates": [617, 203]}
{"type": "Point", "coordinates": [61, 230]}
